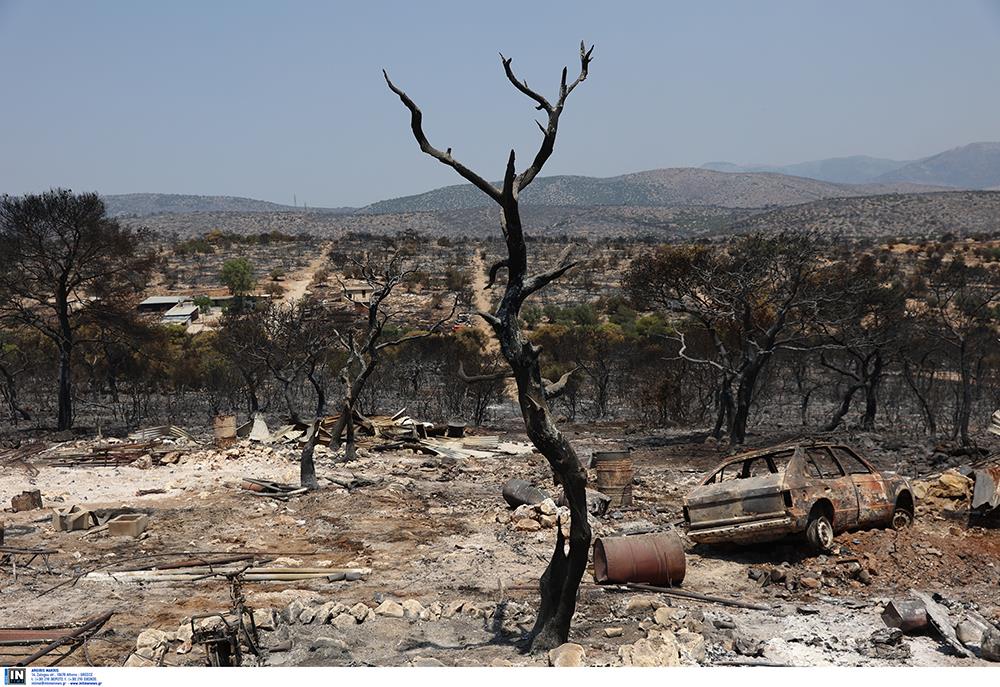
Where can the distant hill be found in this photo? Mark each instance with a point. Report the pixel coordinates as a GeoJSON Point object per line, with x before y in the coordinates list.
{"type": "Point", "coordinates": [976, 165]}
{"type": "Point", "coordinates": [890, 215]}
{"type": "Point", "coordinates": [857, 169]}
{"type": "Point", "coordinates": [147, 204]}
{"type": "Point", "coordinates": [912, 214]}
{"type": "Point", "coordinates": [597, 223]}
{"type": "Point", "coordinates": [682, 186]}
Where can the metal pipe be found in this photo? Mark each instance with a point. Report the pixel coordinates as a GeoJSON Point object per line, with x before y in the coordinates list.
{"type": "Point", "coordinates": [697, 596]}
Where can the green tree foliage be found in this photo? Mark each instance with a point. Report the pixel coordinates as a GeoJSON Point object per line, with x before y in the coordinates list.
{"type": "Point", "coordinates": [238, 276]}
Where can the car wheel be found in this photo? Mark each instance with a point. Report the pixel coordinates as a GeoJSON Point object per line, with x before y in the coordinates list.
{"type": "Point", "coordinates": [820, 533]}
{"type": "Point", "coordinates": [901, 519]}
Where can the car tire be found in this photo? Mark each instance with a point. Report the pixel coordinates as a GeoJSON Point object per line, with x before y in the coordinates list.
{"type": "Point", "coordinates": [901, 519]}
{"type": "Point", "coordinates": [819, 533]}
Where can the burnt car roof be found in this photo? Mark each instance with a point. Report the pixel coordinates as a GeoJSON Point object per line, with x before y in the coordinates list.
{"type": "Point", "coordinates": [740, 457]}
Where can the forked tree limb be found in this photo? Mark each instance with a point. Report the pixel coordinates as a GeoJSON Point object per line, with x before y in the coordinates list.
{"type": "Point", "coordinates": [478, 379]}
{"type": "Point", "coordinates": [552, 389]}
{"type": "Point", "coordinates": [421, 335]}
{"type": "Point", "coordinates": [445, 157]}
{"type": "Point", "coordinates": [494, 268]}
{"type": "Point", "coordinates": [549, 132]}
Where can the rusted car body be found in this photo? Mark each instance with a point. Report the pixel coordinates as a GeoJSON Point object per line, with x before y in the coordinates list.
{"type": "Point", "coordinates": [816, 488]}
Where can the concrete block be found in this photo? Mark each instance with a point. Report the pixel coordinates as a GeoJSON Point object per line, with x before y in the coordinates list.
{"type": "Point", "coordinates": [72, 519]}
{"type": "Point", "coordinates": [128, 525]}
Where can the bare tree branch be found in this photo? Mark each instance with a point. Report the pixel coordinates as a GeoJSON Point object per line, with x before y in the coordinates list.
{"type": "Point", "coordinates": [555, 389]}
{"type": "Point", "coordinates": [416, 124]}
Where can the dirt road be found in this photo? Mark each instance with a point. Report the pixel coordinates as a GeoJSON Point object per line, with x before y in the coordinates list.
{"type": "Point", "coordinates": [297, 284]}
{"type": "Point", "coordinates": [481, 300]}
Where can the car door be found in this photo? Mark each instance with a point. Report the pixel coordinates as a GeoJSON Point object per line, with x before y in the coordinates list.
{"type": "Point", "coordinates": [874, 504]}
{"type": "Point", "coordinates": [831, 482]}
{"type": "Point", "coordinates": [738, 492]}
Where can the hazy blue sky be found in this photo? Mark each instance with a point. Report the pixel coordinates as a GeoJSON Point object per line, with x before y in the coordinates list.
{"type": "Point", "coordinates": [268, 100]}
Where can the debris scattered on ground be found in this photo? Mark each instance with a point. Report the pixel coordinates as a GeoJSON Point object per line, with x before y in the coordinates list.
{"type": "Point", "coordinates": [27, 500]}
{"type": "Point", "coordinates": [51, 643]}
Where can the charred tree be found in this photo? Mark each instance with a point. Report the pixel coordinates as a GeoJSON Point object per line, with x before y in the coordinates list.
{"type": "Point", "coordinates": [750, 299]}
{"type": "Point", "coordinates": [560, 582]}
{"type": "Point", "coordinates": [64, 264]}
{"type": "Point", "coordinates": [364, 345]}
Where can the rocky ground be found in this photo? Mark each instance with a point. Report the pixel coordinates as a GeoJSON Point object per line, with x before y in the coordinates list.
{"type": "Point", "coordinates": [453, 569]}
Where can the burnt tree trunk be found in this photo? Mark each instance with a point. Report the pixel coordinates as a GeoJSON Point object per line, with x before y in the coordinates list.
{"type": "Point", "coordinates": [843, 408]}
{"type": "Point", "coordinates": [930, 419]}
{"type": "Point", "coordinates": [64, 343]}
{"type": "Point", "coordinates": [744, 398]}
{"type": "Point", "coordinates": [965, 396]}
{"type": "Point", "coordinates": [873, 380]}
{"type": "Point", "coordinates": [307, 466]}
{"type": "Point", "coordinates": [560, 583]}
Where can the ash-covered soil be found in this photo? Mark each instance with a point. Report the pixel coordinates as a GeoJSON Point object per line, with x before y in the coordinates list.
{"type": "Point", "coordinates": [447, 557]}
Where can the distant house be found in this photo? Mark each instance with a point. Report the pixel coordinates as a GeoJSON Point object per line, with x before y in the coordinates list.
{"type": "Point", "coordinates": [160, 303]}
{"type": "Point", "coordinates": [184, 313]}
{"type": "Point", "coordinates": [358, 291]}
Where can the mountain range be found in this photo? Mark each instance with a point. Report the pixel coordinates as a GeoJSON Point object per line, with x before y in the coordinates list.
{"type": "Point", "coordinates": [973, 166]}
{"type": "Point", "coordinates": [720, 184]}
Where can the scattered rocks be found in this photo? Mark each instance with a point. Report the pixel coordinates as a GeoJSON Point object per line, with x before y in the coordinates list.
{"type": "Point", "coordinates": [663, 616]}
{"type": "Point", "coordinates": [390, 609]}
{"type": "Point", "coordinates": [568, 655]}
{"type": "Point", "coordinates": [329, 611]}
{"type": "Point", "coordinates": [292, 611]}
{"type": "Point", "coordinates": [452, 608]}
{"type": "Point", "coordinates": [642, 603]}
{"type": "Point", "coordinates": [662, 650]}
{"type": "Point", "coordinates": [691, 646]}
{"type": "Point", "coordinates": [328, 645]}
{"type": "Point", "coordinates": [308, 615]}
{"type": "Point", "coordinates": [748, 646]}
{"type": "Point", "coordinates": [809, 582]}
{"type": "Point", "coordinates": [265, 618]}
{"type": "Point", "coordinates": [527, 525]}
{"type": "Point", "coordinates": [950, 491]}
{"type": "Point", "coordinates": [990, 645]}
{"type": "Point", "coordinates": [412, 609]}
{"type": "Point", "coordinates": [542, 515]}
{"type": "Point", "coordinates": [426, 662]}
{"type": "Point", "coordinates": [886, 644]}
{"type": "Point", "coordinates": [360, 612]}
{"type": "Point", "coordinates": [344, 621]}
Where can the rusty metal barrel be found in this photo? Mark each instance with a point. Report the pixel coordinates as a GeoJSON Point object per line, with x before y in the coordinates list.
{"type": "Point", "coordinates": [614, 476]}
{"type": "Point", "coordinates": [656, 559]}
{"type": "Point", "coordinates": [518, 492]}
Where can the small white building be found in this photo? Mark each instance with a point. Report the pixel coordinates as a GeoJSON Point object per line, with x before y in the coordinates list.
{"type": "Point", "coordinates": [183, 314]}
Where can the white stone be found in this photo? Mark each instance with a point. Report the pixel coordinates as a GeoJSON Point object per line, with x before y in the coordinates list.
{"type": "Point", "coordinates": [568, 655]}
{"type": "Point", "coordinates": [344, 621]}
{"type": "Point", "coordinates": [660, 651]}
{"type": "Point", "coordinates": [390, 609]}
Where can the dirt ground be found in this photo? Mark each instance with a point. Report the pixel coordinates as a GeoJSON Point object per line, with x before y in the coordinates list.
{"type": "Point", "coordinates": [437, 532]}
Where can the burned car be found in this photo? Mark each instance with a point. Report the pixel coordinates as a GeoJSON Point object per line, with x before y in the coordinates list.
{"type": "Point", "coordinates": [815, 489]}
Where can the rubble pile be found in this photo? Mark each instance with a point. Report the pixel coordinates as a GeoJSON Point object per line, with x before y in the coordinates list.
{"type": "Point", "coordinates": [949, 492]}
{"type": "Point", "coordinates": [531, 518]}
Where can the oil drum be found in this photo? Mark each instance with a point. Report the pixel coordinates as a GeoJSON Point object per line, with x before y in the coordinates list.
{"type": "Point", "coordinates": [656, 559]}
